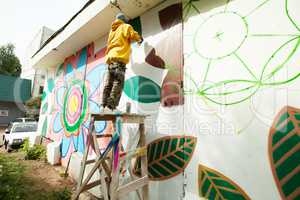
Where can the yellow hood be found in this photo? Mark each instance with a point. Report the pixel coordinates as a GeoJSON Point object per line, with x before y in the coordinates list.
{"type": "Point", "coordinates": [116, 24]}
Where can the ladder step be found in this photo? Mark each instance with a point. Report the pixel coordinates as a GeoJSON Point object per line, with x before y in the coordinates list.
{"type": "Point", "coordinates": [91, 185]}
{"type": "Point", "coordinates": [94, 160]}
{"type": "Point", "coordinates": [90, 161]}
{"type": "Point", "coordinates": [103, 136]}
{"type": "Point", "coordinates": [135, 185]}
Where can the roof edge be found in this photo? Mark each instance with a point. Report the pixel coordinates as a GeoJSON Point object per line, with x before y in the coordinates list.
{"type": "Point", "coordinates": [63, 27]}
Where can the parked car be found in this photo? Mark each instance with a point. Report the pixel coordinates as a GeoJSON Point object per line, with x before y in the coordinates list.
{"type": "Point", "coordinates": [16, 134]}
{"type": "Point", "coordinates": [20, 119]}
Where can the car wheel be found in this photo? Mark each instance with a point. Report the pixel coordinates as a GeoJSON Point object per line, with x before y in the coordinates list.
{"type": "Point", "coordinates": [8, 150]}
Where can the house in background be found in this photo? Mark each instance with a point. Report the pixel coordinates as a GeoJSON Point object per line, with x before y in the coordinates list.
{"type": "Point", "coordinates": [37, 76]}
{"type": "Point", "coordinates": [14, 92]}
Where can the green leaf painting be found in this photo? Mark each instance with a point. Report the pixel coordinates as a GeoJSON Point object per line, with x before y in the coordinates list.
{"type": "Point", "coordinates": [284, 152]}
{"type": "Point", "coordinates": [168, 156]}
{"type": "Point", "coordinates": [142, 89]}
{"type": "Point", "coordinates": [214, 185]}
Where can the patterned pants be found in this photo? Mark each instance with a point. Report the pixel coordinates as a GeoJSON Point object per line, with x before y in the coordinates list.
{"type": "Point", "coordinates": [114, 83]}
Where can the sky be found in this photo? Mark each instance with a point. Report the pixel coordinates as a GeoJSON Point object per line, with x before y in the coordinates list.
{"type": "Point", "coordinates": [20, 20]}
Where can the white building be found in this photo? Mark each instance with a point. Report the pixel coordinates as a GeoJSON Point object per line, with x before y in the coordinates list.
{"type": "Point", "coordinates": [215, 76]}
{"type": "Point", "coordinates": [37, 76]}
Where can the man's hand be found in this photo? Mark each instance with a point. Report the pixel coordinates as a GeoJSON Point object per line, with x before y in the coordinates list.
{"type": "Point", "coordinates": [141, 41]}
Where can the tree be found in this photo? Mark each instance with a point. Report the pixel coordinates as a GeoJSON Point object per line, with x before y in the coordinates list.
{"type": "Point", "coordinates": [9, 62]}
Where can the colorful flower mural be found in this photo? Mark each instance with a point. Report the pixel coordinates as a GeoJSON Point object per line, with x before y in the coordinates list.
{"type": "Point", "coordinates": [75, 95]}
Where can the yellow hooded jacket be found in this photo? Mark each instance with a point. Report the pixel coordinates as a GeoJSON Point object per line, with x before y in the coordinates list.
{"type": "Point", "coordinates": [119, 39]}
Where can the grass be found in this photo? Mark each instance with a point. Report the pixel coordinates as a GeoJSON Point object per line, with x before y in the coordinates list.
{"type": "Point", "coordinates": [15, 185]}
{"type": "Point", "coordinates": [11, 179]}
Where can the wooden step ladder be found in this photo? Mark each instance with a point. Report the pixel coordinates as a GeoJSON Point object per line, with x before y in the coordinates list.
{"type": "Point", "coordinates": [110, 162]}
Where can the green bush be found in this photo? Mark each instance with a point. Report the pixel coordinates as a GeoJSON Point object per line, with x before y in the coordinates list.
{"type": "Point", "coordinates": [25, 145]}
{"type": "Point", "coordinates": [37, 152]}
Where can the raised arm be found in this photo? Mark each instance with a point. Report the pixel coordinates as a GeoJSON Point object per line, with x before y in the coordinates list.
{"type": "Point", "coordinates": [133, 35]}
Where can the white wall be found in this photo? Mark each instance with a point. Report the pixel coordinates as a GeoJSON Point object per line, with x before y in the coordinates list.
{"type": "Point", "coordinates": [238, 57]}
{"type": "Point", "coordinates": [241, 62]}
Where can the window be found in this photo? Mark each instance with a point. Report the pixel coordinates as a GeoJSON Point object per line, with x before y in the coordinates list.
{"type": "Point", "coordinates": [24, 128]}
{"type": "Point", "coordinates": [3, 113]}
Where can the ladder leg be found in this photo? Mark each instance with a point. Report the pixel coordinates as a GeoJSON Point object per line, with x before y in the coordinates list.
{"type": "Point", "coordinates": [144, 163]}
{"type": "Point", "coordinates": [115, 169]}
{"type": "Point", "coordinates": [103, 186]}
{"type": "Point", "coordinates": [84, 159]}
{"type": "Point", "coordinates": [99, 160]}
{"type": "Point", "coordinates": [132, 179]}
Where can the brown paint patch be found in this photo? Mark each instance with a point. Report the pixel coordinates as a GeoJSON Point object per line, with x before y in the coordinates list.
{"type": "Point", "coordinates": [170, 16]}
{"type": "Point", "coordinates": [170, 50]}
{"type": "Point", "coordinates": [155, 60]}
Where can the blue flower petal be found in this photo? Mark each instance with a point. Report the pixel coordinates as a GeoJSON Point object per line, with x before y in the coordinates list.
{"type": "Point", "coordinates": [95, 77]}
{"type": "Point", "coordinates": [75, 142]}
{"type": "Point", "coordinates": [94, 107]}
{"type": "Point", "coordinates": [81, 142]}
{"type": "Point", "coordinates": [57, 126]}
{"type": "Point", "coordinates": [78, 141]}
{"type": "Point", "coordinates": [60, 95]}
{"type": "Point", "coordinates": [86, 124]}
{"type": "Point", "coordinates": [65, 145]}
{"type": "Point", "coordinates": [100, 126]}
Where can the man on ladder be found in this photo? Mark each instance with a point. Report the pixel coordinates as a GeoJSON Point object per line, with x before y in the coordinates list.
{"type": "Point", "coordinates": [117, 56]}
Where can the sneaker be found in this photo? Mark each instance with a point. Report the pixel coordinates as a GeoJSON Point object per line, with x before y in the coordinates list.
{"type": "Point", "coordinates": [106, 110]}
{"type": "Point", "coordinates": [116, 111]}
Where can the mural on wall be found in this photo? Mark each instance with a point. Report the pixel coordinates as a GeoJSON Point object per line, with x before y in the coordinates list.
{"type": "Point", "coordinates": [75, 89]}
{"type": "Point", "coordinates": [284, 152]}
{"type": "Point", "coordinates": [241, 62]}
{"type": "Point", "coordinates": [223, 37]}
{"type": "Point", "coordinates": [231, 53]}
{"type": "Point", "coordinates": [75, 92]}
